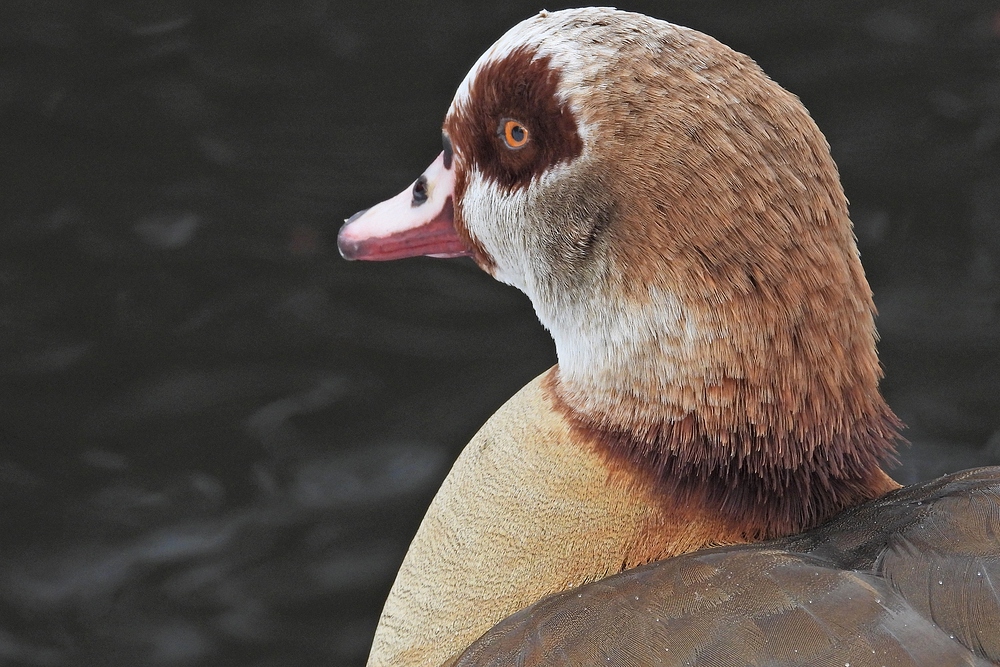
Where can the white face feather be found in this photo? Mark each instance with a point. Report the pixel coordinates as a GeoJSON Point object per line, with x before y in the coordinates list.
{"type": "Point", "coordinates": [503, 222]}
{"type": "Point", "coordinates": [598, 335]}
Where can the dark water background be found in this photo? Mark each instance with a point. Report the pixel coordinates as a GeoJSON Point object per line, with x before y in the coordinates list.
{"type": "Point", "coordinates": [216, 437]}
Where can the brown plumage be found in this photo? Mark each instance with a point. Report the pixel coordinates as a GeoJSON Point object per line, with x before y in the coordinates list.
{"type": "Point", "coordinates": [678, 222]}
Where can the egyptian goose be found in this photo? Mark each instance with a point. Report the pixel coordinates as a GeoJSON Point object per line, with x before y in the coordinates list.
{"type": "Point", "coordinates": [678, 223]}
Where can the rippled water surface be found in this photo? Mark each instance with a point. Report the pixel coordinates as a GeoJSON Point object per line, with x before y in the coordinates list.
{"type": "Point", "coordinates": [216, 437]}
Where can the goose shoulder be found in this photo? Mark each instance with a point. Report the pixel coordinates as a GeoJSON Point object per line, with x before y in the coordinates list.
{"type": "Point", "coordinates": [912, 578]}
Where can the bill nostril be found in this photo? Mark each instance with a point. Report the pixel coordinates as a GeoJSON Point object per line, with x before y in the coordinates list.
{"type": "Point", "coordinates": [419, 191]}
{"type": "Point", "coordinates": [448, 150]}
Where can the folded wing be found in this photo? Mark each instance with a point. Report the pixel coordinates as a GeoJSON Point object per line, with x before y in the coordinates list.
{"type": "Point", "coordinates": [909, 579]}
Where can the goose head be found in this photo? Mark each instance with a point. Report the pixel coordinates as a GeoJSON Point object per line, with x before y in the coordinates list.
{"type": "Point", "coordinates": [679, 225]}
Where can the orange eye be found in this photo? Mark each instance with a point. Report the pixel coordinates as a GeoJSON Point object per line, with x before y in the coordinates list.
{"type": "Point", "coordinates": [514, 134]}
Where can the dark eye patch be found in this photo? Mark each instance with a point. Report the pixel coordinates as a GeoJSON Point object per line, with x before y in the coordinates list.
{"type": "Point", "coordinates": [524, 87]}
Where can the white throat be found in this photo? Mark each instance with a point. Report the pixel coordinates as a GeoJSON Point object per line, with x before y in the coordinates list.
{"type": "Point", "coordinates": [624, 351]}
{"type": "Point", "coordinates": [603, 339]}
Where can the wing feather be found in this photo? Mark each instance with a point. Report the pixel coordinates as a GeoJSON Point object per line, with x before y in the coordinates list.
{"type": "Point", "coordinates": [909, 579]}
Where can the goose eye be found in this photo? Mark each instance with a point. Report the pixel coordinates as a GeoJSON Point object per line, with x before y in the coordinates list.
{"type": "Point", "coordinates": [514, 134]}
